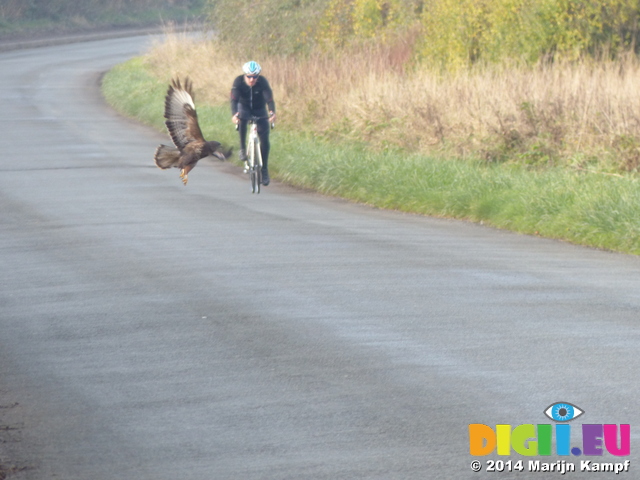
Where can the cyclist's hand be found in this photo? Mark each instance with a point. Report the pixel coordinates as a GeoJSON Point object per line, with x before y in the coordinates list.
{"type": "Point", "coordinates": [272, 117]}
{"type": "Point", "coordinates": [235, 119]}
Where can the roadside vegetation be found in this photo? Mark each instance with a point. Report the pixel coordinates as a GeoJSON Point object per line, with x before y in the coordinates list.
{"type": "Point", "coordinates": [403, 105]}
{"type": "Point", "coordinates": [29, 18]}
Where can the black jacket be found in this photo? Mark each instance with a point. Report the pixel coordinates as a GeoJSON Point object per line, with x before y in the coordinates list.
{"type": "Point", "coordinates": [252, 100]}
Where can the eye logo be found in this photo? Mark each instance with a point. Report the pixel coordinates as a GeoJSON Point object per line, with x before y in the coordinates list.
{"type": "Point", "coordinates": [563, 412]}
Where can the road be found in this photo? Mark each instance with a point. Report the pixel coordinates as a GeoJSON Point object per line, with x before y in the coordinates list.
{"type": "Point", "coordinates": [154, 331]}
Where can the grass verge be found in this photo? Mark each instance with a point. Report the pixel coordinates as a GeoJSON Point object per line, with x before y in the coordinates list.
{"type": "Point", "coordinates": [595, 210]}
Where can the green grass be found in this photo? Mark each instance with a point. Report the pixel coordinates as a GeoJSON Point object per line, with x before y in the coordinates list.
{"type": "Point", "coordinates": [589, 209]}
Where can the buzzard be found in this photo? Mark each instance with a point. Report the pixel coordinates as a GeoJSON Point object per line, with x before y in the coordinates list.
{"type": "Point", "coordinates": [182, 123]}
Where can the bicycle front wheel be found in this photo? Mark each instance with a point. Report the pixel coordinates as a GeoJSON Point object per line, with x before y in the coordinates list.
{"type": "Point", "coordinates": [258, 177]}
{"type": "Point", "coordinates": [254, 168]}
{"type": "Point", "coordinates": [255, 179]}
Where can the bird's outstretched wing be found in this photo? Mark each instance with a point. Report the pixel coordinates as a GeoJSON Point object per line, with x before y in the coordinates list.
{"type": "Point", "coordinates": [180, 114]}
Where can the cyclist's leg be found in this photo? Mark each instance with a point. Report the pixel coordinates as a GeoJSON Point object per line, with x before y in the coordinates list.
{"type": "Point", "coordinates": [242, 130]}
{"type": "Point", "coordinates": [244, 117]}
{"type": "Point", "coordinates": [265, 147]}
{"type": "Point", "coordinates": [257, 169]}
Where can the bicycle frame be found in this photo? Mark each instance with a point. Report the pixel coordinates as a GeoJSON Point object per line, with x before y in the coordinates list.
{"type": "Point", "coordinates": [254, 155]}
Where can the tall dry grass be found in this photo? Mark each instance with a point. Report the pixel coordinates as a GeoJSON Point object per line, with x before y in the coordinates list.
{"type": "Point", "coordinates": [211, 66]}
{"type": "Point", "coordinates": [582, 114]}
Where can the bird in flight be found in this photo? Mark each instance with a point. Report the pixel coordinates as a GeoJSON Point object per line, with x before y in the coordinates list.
{"type": "Point", "coordinates": [182, 123]}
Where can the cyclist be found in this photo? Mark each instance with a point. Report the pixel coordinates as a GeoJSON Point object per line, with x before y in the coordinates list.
{"type": "Point", "coordinates": [251, 95]}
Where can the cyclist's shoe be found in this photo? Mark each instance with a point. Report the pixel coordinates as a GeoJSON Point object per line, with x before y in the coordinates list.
{"type": "Point", "coordinates": [265, 177]}
{"type": "Point", "coordinates": [242, 154]}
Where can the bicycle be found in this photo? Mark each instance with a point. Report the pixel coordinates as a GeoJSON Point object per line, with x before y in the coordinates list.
{"type": "Point", "coordinates": [254, 154]}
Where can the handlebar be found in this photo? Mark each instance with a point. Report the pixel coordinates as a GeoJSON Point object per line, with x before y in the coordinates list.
{"type": "Point", "coordinates": [254, 119]}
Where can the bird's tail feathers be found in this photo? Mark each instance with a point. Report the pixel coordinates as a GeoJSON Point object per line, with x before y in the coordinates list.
{"type": "Point", "coordinates": [166, 156]}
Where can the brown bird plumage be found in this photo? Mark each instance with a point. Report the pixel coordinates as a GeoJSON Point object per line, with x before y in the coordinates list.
{"type": "Point", "coordinates": [182, 123]}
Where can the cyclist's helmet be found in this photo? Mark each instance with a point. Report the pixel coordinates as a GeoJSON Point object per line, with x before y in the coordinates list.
{"type": "Point", "coordinates": [251, 68]}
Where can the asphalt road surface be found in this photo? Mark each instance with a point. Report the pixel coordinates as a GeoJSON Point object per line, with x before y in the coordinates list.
{"type": "Point", "coordinates": [154, 331]}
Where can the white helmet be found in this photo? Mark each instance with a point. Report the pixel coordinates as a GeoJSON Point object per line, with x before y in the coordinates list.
{"type": "Point", "coordinates": [251, 68]}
